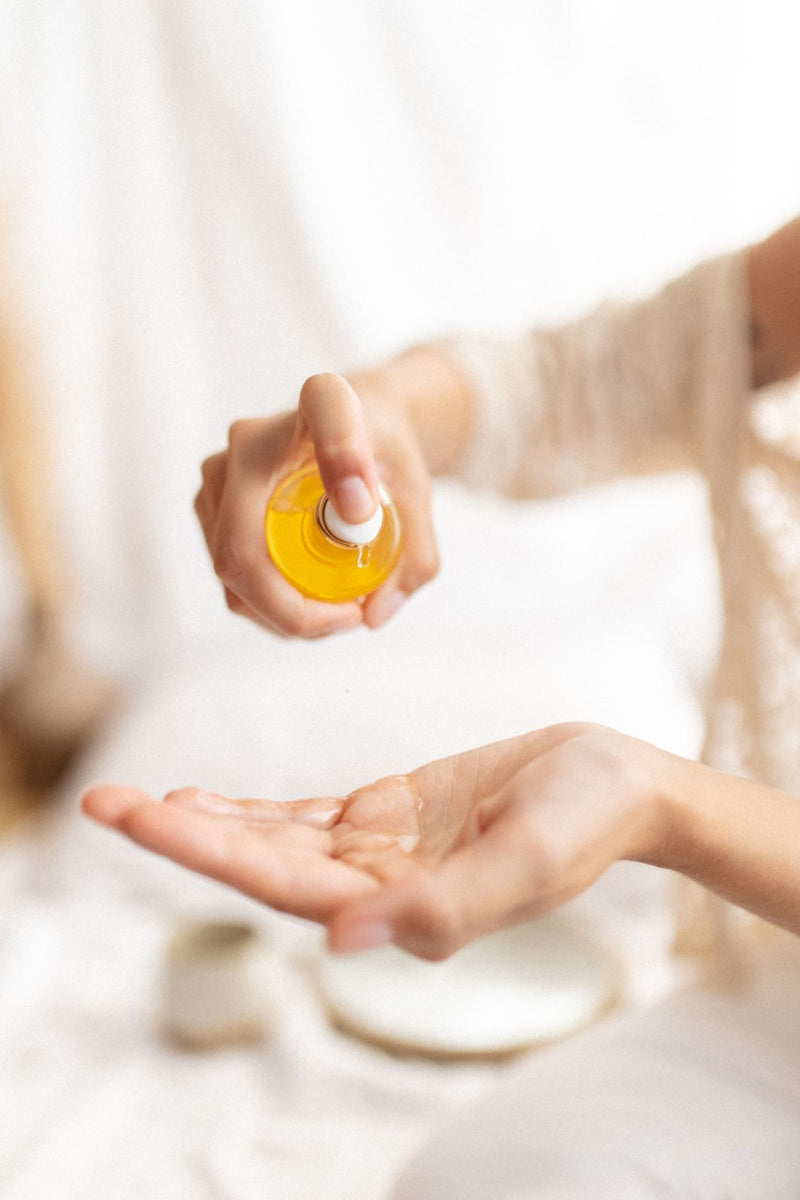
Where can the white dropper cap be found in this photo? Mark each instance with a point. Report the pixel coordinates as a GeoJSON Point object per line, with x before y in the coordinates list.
{"type": "Point", "coordinates": [359, 534]}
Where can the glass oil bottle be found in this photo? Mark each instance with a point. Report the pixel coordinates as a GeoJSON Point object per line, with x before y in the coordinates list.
{"type": "Point", "coordinates": [321, 555]}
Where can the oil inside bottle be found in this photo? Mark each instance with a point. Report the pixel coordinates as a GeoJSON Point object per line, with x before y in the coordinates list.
{"type": "Point", "coordinates": [315, 562]}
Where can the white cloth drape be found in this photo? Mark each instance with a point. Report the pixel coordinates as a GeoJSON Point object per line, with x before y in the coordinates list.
{"type": "Point", "coordinates": [205, 202]}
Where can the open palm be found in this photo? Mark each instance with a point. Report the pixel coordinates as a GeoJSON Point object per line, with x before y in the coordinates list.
{"type": "Point", "coordinates": [453, 849]}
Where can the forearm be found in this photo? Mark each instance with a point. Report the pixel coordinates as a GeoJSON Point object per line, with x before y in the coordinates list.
{"type": "Point", "coordinates": [740, 839]}
{"type": "Point", "coordinates": [774, 283]}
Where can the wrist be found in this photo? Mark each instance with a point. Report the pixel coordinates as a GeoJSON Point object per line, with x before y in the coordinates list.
{"type": "Point", "coordinates": [431, 398]}
{"type": "Point", "coordinates": [679, 808]}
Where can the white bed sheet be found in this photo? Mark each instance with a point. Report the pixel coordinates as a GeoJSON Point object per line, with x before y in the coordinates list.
{"type": "Point", "coordinates": [96, 1102]}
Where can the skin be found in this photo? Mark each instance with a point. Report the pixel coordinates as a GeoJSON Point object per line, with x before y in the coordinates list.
{"type": "Point", "coordinates": [774, 271]}
{"type": "Point", "coordinates": [481, 840]}
{"type": "Point", "coordinates": [355, 444]}
{"type": "Point", "coordinates": [458, 847]}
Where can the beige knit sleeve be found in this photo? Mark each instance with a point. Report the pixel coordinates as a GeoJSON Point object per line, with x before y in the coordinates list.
{"type": "Point", "coordinates": [567, 407]}
{"type": "Point", "coordinates": [629, 387]}
{"type": "Point", "coordinates": [619, 391]}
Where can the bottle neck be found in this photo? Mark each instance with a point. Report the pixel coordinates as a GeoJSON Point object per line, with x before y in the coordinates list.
{"type": "Point", "coordinates": [344, 533]}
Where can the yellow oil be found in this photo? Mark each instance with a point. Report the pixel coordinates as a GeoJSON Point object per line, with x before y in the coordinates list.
{"type": "Point", "coordinates": [312, 562]}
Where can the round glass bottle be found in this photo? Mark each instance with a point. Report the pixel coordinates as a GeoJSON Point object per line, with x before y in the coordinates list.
{"type": "Point", "coordinates": [321, 555]}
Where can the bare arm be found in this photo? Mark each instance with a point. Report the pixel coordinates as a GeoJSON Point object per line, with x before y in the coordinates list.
{"type": "Point", "coordinates": [775, 305]}
{"type": "Point", "coordinates": [740, 839]}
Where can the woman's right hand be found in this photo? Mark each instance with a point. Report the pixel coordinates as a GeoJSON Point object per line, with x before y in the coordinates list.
{"type": "Point", "coordinates": [355, 445]}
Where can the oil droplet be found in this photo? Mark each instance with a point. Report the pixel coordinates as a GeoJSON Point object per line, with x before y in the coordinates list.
{"type": "Point", "coordinates": [364, 555]}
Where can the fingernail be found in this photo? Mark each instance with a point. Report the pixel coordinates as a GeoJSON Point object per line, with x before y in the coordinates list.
{"type": "Point", "coordinates": [366, 935]}
{"type": "Point", "coordinates": [352, 500]}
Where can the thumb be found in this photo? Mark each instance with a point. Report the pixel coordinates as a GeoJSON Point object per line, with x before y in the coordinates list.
{"type": "Point", "coordinates": [332, 414]}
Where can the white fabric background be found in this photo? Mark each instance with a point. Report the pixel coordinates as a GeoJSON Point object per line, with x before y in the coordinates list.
{"type": "Point", "coordinates": [206, 202]}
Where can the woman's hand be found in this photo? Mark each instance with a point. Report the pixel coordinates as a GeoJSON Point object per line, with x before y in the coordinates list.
{"type": "Point", "coordinates": [429, 860]}
{"type": "Point", "coordinates": [355, 445]}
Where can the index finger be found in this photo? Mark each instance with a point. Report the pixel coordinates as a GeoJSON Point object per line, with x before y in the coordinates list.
{"type": "Point", "coordinates": [332, 414]}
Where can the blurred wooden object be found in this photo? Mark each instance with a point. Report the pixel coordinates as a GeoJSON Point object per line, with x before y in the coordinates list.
{"type": "Point", "coordinates": [51, 704]}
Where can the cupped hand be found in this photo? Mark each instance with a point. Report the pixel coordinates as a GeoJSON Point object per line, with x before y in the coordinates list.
{"type": "Point", "coordinates": [429, 860]}
{"type": "Point", "coordinates": [356, 446]}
